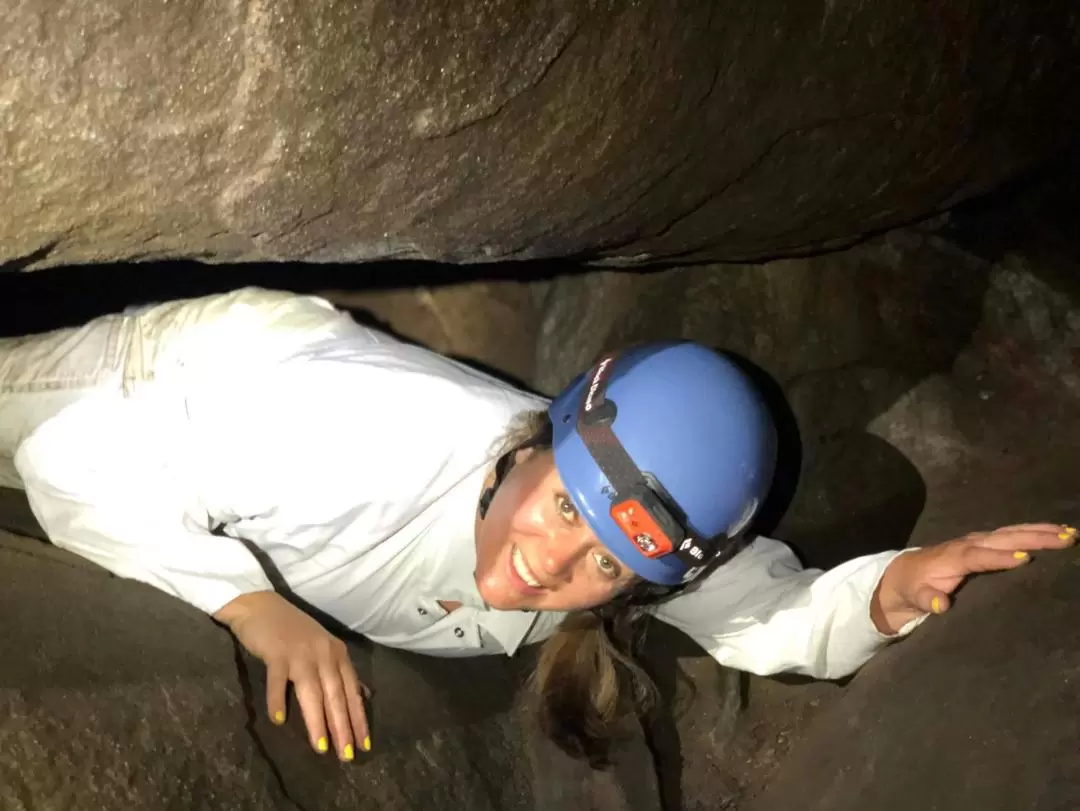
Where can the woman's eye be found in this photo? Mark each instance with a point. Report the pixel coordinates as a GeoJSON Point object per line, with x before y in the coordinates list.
{"type": "Point", "coordinates": [567, 509]}
{"type": "Point", "coordinates": [607, 565]}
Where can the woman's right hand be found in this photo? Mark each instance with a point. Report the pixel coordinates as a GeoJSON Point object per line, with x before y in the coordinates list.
{"type": "Point", "coordinates": [296, 648]}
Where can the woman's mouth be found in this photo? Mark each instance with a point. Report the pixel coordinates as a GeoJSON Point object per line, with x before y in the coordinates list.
{"type": "Point", "coordinates": [521, 575]}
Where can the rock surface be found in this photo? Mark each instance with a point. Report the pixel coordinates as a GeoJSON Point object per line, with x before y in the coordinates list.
{"type": "Point", "coordinates": [114, 695]}
{"type": "Point", "coordinates": [976, 711]}
{"type": "Point", "coordinates": [493, 129]}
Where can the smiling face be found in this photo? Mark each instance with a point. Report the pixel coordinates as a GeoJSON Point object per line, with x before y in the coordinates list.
{"type": "Point", "coordinates": [533, 550]}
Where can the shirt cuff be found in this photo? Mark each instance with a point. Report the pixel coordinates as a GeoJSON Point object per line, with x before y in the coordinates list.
{"type": "Point", "coordinates": [881, 637]}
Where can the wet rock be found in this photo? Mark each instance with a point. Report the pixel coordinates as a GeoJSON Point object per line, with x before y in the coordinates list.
{"type": "Point", "coordinates": [122, 697]}
{"type": "Point", "coordinates": [341, 131]}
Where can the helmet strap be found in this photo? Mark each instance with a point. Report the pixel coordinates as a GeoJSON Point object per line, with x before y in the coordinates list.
{"type": "Point", "coordinates": [502, 469]}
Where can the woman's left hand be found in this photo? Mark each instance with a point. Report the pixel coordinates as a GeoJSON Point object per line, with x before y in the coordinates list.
{"type": "Point", "coordinates": [920, 581]}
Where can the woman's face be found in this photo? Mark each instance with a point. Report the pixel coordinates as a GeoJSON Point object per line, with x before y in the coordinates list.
{"type": "Point", "coordinates": [534, 552]}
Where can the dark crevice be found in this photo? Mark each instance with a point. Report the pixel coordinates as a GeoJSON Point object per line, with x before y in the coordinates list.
{"type": "Point", "coordinates": [23, 262]}
{"type": "Point", "coordinates": [300, 224]}
{"type": "Point", "coordinates": [71, 295]}
{"type": "Point", "coordinates": [249, 724]}
{"type": "Point", "coordinates": [662, 740]}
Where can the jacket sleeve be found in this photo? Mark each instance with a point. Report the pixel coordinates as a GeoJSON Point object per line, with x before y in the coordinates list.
{"type": "Point", "coordinates": [763, 613]}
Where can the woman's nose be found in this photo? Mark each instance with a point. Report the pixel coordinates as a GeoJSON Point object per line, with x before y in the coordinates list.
{"type": "Point", "coordinates": [563, 550]}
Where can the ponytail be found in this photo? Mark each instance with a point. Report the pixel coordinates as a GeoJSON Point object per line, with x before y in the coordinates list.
{"type": "Point", "coordinates": [586, 681]}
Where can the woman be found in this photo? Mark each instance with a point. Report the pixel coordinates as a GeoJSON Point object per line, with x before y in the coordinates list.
{"type": "Point", "coordinates": [256, 450]}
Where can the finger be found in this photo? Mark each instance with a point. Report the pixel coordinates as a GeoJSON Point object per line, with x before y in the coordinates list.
{"type": "Point", "coordinates": [1033, 536]}
{"type": "Point", "coordinates": [277, 680]}
{"type": "Point", "coordinates": [1039, 527]}
{"type": "Point", "coordinates": [337, 708]}
{"type": "Point", "coordinates": [309, 695]}
{"type": "Point", "coordinates": [1000, 536]}
{"type": "Point", "coordinates": [357, 714]}
{"type": "Point", "coordinates": [986, 559]}
{"type": "Point", "coordinates": [932, 600]}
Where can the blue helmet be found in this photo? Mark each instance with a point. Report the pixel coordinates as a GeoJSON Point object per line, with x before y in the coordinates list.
{"type": "Point", "coordinates": [667, 449]}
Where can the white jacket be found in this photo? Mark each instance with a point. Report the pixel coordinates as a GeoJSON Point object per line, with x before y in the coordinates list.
{"type": "Point", "coordinates": [351, 463]}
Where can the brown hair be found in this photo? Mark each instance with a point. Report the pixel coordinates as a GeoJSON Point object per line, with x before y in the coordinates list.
{"type": "Point", "coordinates": [586, 678]}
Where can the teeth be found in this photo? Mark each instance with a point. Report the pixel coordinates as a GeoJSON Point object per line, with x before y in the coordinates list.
{"type": "Point", "coordinates": [522, 569]}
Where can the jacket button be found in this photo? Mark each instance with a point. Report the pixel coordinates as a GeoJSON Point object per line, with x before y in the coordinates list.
{"type": "Point", "coordinates": [422, 612]}
{"type": "Point", "coordinates": [459, 633]}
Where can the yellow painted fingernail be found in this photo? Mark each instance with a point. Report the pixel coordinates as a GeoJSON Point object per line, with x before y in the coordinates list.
{"type": "Point", "coordinates": [367, 744]}
{"type": "Point", "coordinates": [1020, 555]}
{"type": "Point", "coordinates": [348, 753]}
{"type": "Point", "coordinates": [323, 744]}
{"type": "Point", "coordinates": [1068, 533]}
{"type": "Point", "coordinates": [935, 605]}
{"type": "Point", "coordinates": [279, 717]}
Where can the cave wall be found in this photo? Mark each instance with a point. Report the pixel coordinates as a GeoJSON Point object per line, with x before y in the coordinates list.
{"type": "Point", "coordinates": [477, 131]}
{"type": "Point", "coordinates": [910, 371]}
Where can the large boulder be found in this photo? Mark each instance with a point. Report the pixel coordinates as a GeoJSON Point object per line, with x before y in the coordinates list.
{"type": "Point", "coordinates": [978, 710]}
{"type": "Point", "coordinates": [346, 131]}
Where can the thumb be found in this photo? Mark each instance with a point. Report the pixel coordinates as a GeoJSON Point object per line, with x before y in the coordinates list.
{"type": "Point", "coordinates": [932, 600]}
